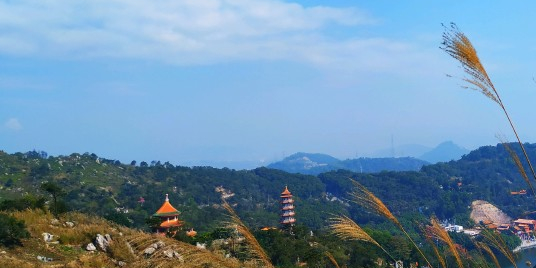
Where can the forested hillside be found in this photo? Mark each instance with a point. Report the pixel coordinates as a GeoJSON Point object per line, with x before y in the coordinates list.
{"type": "Point", "coordinates": [112, 189]}
{"type": "Point", "coordinates": [129, 194]}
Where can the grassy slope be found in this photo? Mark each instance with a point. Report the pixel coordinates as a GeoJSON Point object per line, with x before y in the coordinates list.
{"type": "Point", "coordinates": [70, 252]}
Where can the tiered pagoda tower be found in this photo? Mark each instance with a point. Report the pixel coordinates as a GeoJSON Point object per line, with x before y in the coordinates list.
{"type": "Point", "coordinates": [287, 208]}
{"type": "Point", "coordinates": [169, 216]}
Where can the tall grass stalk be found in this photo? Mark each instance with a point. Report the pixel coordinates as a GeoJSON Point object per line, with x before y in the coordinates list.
{"type": "Point", "coordinates": [436, 231]}
{"type": "Point", "coordinates": [457, 45]}
{"type": "Point", "coordinates": [254, 247]}
{"type": "Point", "coordinates": [493, 239]}
{"type": "Point", "coordinates": [332, 259]}
{"type": "Point", "coordinates": [440, 258]}
{"type": "Point", "coordinates": [363, 197]}
{"type": "Point", "coordinates": [346, 229]}
{"type": "Point", "coordinates": [518, 164]}
{"type": "Point", "coordinates": [487, 249]}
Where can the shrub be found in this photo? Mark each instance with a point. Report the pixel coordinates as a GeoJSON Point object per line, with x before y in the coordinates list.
{"type": "Point", "coordinates": [11, 231]}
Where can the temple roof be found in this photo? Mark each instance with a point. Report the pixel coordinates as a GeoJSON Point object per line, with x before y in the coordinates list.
{"type": "Point", "coordinates": [171, 223]}
{"type": "Point", "coordinates": [286, 192]}
{"type": "Point", "coordinates": [166, 209]}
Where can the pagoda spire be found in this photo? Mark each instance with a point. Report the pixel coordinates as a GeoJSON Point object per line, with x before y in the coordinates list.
{"type": "Point", "coordinates": [287, 208]}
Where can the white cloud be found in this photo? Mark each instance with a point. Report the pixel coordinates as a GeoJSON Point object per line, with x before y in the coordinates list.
{"type": "Point", "coordinates": [13, 124]}
{"type": "Point", "coordinates": [183, 32]}
{"type": "Point", "coordinates": [199, 32]}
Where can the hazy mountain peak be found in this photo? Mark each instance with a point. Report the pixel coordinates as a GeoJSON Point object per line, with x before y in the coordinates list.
{"type": "Point", "coordinates": [444, 152]}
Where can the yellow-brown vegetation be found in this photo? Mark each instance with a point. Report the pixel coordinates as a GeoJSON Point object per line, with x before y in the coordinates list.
{"type": "Point", "coordinates": [346, 229]}
{"type": "Point", "coordinates": [436, 231]}
{"type": "Point", "coordinates": [254, 247]}
{"type": "Point", "coordinates": [128, 245]}
{"type": "Point", "coordinates": [363, 197]}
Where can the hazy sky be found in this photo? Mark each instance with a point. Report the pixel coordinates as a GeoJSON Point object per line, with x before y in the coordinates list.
{"type": "Point", "coordinates": [232, 80]}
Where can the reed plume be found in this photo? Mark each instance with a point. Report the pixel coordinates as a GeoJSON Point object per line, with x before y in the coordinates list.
{"type": "Point", "coordinates": [457, 45]}
{"type": "Point", "coordinates": [434, 247]}
{"type": "Point", "coordinates": [346, 229]}
{"type": "Point", "coordinates": [363, 197]}
{"type": "Point", "coordinates": [518, 164]}
{"type": "Point", "coordinates": [436, 231]}
{"type": "Point", "coordinates": [332, 259]}
{"type": "Point", "coordinates": [254, 247]}
{"type": "Point", "coordinates": [487, 249]}
{"type": "Point", "coordinates": [495, 240]}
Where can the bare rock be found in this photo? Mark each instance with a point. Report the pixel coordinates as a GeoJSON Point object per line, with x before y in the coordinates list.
{"type": "Point", "coordinates": [101, 242]}
{"type": "Point", "coordinates": [55, 222]}
{"type": "Point", "coordinates": [47, 237]}
{"type": "Point", "coordinates": [121, 264]}
{"type": "Point", "coordinates": [91, 247]}
{"type": "Point", "coordinates": [169, 253]}
{"type": "Point", "coordinates": [149, 251]}
{"type": "Point", "coordinates": [69, 224]}
{"type": "Point", "coordinates": [108, 238]}
{"type": "Point", "coordinates": [44, 259]}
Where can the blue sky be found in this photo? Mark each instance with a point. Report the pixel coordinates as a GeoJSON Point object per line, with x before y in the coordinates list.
{"type": "Point", "coordinates": [238, 80]}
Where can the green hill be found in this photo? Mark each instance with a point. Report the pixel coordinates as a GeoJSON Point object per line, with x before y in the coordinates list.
{"type": "Point", "coordinates": [113, 190]}
{"type": "Point", "coordinates": [314, 164]}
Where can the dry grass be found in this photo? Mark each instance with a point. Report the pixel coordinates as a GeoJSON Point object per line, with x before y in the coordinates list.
{"type": "Point", "coordinates": [487, 249]}
{"type": "Point", "coordinates": [436, 231]}
{"type": "Point", "coordinates": [493, 239]}
{"type": "Point", "coordinates": [332, 259]}
{"type": "Point", "coordinates": [346, 229]}
{"type": "Point", "coordinates": [191, 255]}
{"type": "Point", "coordinates": [458, 46]}
{"type": "Point", "coordinates": [517, 162]}
{"type": "Point", "coordinates": [127, 245]}
{"type": "Point", "coordinates": [363, 197]}
{"type": "Point", "coordinates": [440, 258]}
{"type": "Point", "coordinates": [253, 245]}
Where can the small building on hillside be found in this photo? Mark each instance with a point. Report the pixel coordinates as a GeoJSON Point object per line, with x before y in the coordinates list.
{"type": "Point", "coordinates": [453, 228]}
{"type": "Point", "coordinates": [525, 224]}
{"type": "Point", "coordinates": [169, 216]}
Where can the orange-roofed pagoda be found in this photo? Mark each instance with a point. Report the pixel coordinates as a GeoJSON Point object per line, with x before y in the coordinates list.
{"type": "Point", "coordinates": [287, 208]}
{"type": "Point", "coordinates": [169, 216]}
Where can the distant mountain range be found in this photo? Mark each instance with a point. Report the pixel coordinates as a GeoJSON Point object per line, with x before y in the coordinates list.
{"type": "Point", "coordinates": [314, 163]}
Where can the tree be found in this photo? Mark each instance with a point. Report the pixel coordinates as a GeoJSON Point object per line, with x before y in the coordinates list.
{"type": "Point", "coordinates": [56, 193]}
{"type": "Point", "coordinates": [11, 231]}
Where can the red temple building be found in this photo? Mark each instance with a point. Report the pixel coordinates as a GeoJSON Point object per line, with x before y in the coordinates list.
{"type": "Point", "coordinates": [287, 208]}
{"type": "Point", "coordinates": [169, 216]}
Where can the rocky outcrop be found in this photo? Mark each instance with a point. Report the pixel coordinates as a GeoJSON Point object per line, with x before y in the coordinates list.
{"type": "Point", "coordinates": [101, 242]}
{"type": "Point", "coordinates": [153, 247]}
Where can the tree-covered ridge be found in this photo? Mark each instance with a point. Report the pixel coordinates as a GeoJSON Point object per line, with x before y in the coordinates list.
{"type": "Point", "coordinates": [110, 188]}
{"type": "Point", "coordinates": [314, 164]}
